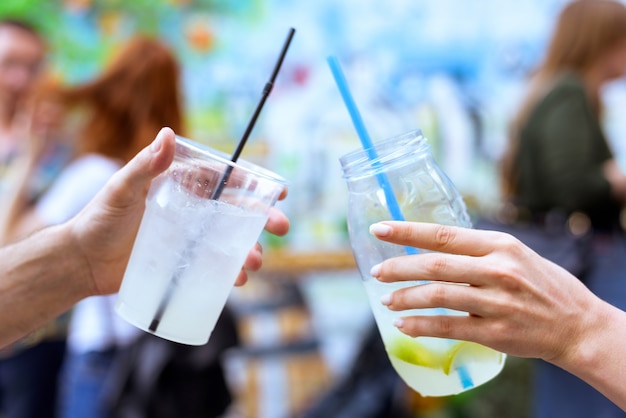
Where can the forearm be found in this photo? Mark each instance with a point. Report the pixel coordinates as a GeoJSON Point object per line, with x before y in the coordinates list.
{"type": "Point", "coordinates": [600, 359]}
{"type": "Point", "coordinates": [39, 279]}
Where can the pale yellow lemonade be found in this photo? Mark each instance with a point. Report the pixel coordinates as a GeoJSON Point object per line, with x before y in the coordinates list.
{"type": "Point", "coordinates": [431, 366]}
{"type": "Point", "coordinates": [205, 275]}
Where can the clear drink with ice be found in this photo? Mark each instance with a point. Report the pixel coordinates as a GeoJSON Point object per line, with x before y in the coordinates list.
{"type": "Point", "coordinates": [431, 366]}
{"type": "Point", "coordinates": [190, 247]}
{"type": "Point", "coordinates": [205, 265]}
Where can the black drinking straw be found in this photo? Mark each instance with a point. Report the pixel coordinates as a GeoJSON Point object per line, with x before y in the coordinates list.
{"type": "Point", "coordinates": [154, 325]}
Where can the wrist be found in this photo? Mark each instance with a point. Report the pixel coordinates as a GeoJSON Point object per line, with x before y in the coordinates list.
{"type": "Point", "coordinates": [78, 266]}
{"type": "Point", "coordinates": [594, 350]}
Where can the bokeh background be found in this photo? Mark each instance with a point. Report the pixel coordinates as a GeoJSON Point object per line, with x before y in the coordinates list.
{"type": "Point", "coordinates": [453, 68]}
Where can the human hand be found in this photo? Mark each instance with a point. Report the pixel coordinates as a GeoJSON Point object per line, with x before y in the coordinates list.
{"type": "Point", "coordinates": [40, 123]}
{"type": "Point", "coordinates": [518, 302]}
{"type": "Point", "coordinates": [277, 224]}
{"type": "Point", "coordinates": [104, 231]}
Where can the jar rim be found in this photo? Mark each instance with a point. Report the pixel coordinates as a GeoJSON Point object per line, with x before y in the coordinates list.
{"type": "Point", "coordinates": [386, 151]}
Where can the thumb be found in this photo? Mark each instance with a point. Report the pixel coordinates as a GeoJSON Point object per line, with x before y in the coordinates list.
{"type": "Point", "coordinates": [132, 181]}
{"type": "Point", "coordinates": [151, 161]}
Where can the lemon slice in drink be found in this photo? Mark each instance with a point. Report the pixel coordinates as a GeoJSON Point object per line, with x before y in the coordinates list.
{"type": "Point", "coordinates": [448, 360]}
{"type": "Point", "coordinates": [467, 352]}
{"type": "Point", "coordinates": [412, 351]}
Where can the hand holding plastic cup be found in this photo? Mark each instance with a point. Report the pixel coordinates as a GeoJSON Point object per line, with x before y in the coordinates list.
{"type": "Point", "coordinates": [196, 232]}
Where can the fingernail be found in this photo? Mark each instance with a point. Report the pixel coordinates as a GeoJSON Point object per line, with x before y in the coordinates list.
{"type": "Point", "coordinates": [375, 271]}
{"type": "Point", "coordinates": [386, 300]}
{"type": "Point", "coordinates": [380, 230]}
{"type": "Point", "coordinates": [398, 322]}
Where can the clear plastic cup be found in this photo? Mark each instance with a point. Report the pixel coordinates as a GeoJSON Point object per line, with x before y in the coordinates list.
{"type": "Point", "coordinates": [202, 217]}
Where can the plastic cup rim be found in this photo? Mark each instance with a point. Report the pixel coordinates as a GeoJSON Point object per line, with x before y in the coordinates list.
{"type": "Point", "coordinates": [221, 157]}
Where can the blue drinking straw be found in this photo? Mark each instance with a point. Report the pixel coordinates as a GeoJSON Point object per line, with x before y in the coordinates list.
{"type": "Point", "coordinates": [357, 121]}
{"type": "Point", "coordinates": [383, 181]}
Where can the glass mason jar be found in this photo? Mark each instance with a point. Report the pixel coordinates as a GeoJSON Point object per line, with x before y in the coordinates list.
{"type": "Point", "coordinates": [398, 179]}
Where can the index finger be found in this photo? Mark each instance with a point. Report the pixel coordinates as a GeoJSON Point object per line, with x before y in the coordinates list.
{"type": "Point", "coordinates": [277, 222]}
{"type": "Point", "coordinates": [436, 237]}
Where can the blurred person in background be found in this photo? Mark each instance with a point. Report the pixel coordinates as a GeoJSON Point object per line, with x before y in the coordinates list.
{"type": "Point", "coordinates": [559, 162]}
{"type": "Point", "coordinates": [22, 56]}
{"type": "Point", "coordinates": [28, 368]}
{"type": "Point", "coordinates": [117, 114]}
{"type": "Point", "coordinates": [22, 53]}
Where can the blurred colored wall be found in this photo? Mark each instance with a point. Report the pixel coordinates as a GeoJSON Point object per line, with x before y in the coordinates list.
{"type": "Point", "coordinates": [453, 68]}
